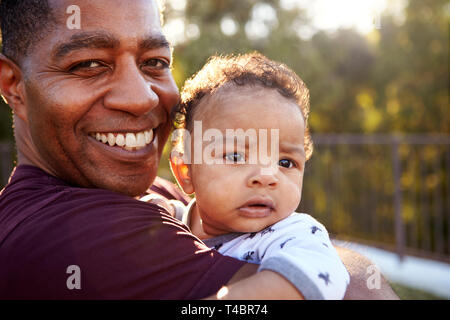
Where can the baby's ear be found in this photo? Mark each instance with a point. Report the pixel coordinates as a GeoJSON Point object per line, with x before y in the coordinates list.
{"type": "Point", "coordinates": [182, 172]}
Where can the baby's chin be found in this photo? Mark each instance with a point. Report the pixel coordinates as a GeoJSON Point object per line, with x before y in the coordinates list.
{"type": "Point", "coordinates": [254, 226]}
{"type": "Point", "coordinates": [247, 224]}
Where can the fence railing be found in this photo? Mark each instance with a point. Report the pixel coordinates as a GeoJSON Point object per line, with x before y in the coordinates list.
{"type": "Point", "coordinates": [6, 161]}
{"type": "Point", "coordinates": [388, 190]}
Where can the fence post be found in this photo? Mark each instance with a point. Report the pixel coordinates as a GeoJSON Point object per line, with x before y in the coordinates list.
{"type": "Point", "coordinates": [6, 150]}
{"type": "Point", "coordinates": [399, 227]}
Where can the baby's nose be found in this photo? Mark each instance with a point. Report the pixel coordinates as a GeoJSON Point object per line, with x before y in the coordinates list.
{"type": "Point", "coordinates": [263, 180]}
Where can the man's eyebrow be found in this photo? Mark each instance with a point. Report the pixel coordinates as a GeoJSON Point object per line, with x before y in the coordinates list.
{"type": "Point", "coordinates": [86, 40]}
{"type": "Point", "coordinates": [154, 42]}
{"type": "Point", "coordinates": [101, 40]}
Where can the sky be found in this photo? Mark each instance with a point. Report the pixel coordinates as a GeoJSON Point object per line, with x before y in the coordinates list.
{"type": "Point", "coordinates": [362, 15]}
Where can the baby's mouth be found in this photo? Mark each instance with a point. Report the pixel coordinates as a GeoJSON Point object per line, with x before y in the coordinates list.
{"type": "Point", "coordinates": [129, 141]}
{"type": "Point", "coordinates": [257, 207]}
{"type": "Point", "coordinates": [260, 202]}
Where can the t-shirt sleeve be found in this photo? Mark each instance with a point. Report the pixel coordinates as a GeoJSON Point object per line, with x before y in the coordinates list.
{"type": "Point", "coordinates": [123, 248]}
{"type": "Point", "coordinates": [299, 248]}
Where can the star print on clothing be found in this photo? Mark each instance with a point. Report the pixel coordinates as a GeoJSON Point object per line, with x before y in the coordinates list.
{"type": "Point", "coordinates": [267, 230]}
{"type": "Point", "coordinates": [325, 277]}
{"type": "Point", "coordinates": [252, 235]}
{"type": "Point", "coordinates": [283, 244]}
{"type": "Point", "coordinates": [249, 255]}
{"type": "Point", "coordinates": [314, 229]}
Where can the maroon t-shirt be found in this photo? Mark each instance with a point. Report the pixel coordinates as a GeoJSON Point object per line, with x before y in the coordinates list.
{"type": "Point", "coordinates": [123, 248]}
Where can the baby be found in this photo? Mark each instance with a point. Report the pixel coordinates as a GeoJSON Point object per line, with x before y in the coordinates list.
{"type": "Point", "coordinates": [245, 207]}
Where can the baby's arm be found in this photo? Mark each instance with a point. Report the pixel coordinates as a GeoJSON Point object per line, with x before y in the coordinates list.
{"type": "Point", "coordinates": [292, 254]}
{"type": "Point", "coordinates": [299, 249]}
{"type": "Point", "coordinates": [247, 283]}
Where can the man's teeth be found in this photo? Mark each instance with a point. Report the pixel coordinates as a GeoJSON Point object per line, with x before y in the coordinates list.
{"type": "Point", "coordinates": [129, 141]}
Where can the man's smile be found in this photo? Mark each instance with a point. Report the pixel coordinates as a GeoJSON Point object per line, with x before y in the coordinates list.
{"type": "Point", "coordinates": [126, 146]}
{"type": "Point", "coordinates": [129, 141]}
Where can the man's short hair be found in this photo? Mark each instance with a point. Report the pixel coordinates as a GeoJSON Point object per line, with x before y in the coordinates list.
{"type": "Point", "coordinates": [23, 23]}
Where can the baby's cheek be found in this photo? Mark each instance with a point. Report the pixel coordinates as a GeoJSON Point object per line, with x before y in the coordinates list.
{"type": "Point", "coordinates": [212, 189]}
{"type": "Point", "coordinates": [293, 197]}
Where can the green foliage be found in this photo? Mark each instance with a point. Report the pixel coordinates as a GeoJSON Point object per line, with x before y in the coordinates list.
{"type": "Point", "coordinates": [392, 80]}
{"type": "Point", "coordinates": [407, 293]}
{"type": "Point", "coordinates": [6, 132]}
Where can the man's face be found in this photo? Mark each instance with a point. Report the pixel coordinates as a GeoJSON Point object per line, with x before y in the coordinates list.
{"type": "Point", "coordinates": [98, 97]}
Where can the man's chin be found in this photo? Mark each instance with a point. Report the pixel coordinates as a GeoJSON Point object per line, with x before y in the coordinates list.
{"type": "Point", "coordinates": [130, 189]}
{"type": "Point", "coordinates": [133, 186]}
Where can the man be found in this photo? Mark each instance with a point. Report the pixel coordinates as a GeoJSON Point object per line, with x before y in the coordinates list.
{"type": "Point", "coordinates": [91, 104]}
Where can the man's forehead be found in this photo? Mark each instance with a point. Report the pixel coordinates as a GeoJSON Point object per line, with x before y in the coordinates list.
{"type": "Point", "coordinates": [105, 40]}
{"type": "Point", "coordinates": [106, 24]}
{"type": "Point", "coordinates": [95, 14]}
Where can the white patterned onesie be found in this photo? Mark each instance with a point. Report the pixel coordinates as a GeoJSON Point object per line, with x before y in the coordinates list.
{"type": "Point", "coordinates": [297, 247]}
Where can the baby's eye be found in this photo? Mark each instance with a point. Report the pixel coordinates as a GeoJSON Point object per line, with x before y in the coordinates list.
{"type": "Point", "coordinates": [286, 163]}
{"type": "Point", "coordinates": [234, 157]}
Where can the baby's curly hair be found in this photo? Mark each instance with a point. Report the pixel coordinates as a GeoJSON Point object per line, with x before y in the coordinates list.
{"type": "Point", "coordinates": [251, 69]}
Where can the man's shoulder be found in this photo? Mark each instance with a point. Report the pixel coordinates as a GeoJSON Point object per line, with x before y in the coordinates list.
{"type": "Point", "coordinates": [31, 190]}
{"type": "Point", "coordinates": [118, 243]}
{"type": "Point", "coordinates": [36, 201]}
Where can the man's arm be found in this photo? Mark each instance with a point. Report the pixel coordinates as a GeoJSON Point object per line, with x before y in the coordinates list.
{"type": "Point", "coordinates": [255, 284]}
{"type": "Point", "coordinates": [357, 265]}
{"type": "Point", "coordinates": [246, 284]}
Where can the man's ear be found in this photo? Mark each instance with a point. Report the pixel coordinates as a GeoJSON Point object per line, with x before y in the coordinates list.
{"type": "Point", "coordinates": [182, 172]}
{"type": "Point", "coordinates": [12, 87]}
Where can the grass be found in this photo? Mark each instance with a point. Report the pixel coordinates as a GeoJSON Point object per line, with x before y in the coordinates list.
{"type": "Point", "coordinates": [407, 293]}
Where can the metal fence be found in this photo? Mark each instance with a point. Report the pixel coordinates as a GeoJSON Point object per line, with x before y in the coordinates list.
{"type": "Point", "coordinates": [7, 154]}
{"type": "Point", "coordinates": [385, 190]}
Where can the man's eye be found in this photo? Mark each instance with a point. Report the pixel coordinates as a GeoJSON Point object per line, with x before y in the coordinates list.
{"type": "Point", "coordinates": [156, 63]}
{"type": "Point", "coordinates": [286, 163]}
{"type": "Point", "coordinates": [86, 65]}
{"type": "Point", "coordinates": [234, 157]}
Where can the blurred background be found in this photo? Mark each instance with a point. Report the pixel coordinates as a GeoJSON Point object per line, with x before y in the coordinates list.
{"type": "Point", "coordinates": [378, 74]}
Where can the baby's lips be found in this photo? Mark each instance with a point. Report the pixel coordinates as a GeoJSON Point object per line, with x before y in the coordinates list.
{"type": "Point", "coordinates": [259, 201]}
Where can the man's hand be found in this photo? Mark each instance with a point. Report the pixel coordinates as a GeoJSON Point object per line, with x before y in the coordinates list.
{"type": "Point", "coordinates": [357, 266]}
{"type": "Point", "coordinates": [246, 284]}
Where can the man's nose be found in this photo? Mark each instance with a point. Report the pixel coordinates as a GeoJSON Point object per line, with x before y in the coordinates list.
{"type": "Point", "coordinates": [130, 90]}
{"type": "Point", "coordinates": [260, 180]}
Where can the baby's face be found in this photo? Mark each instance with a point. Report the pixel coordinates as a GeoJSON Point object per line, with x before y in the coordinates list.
{"type": "Point", "coordinates": [247, 197]}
